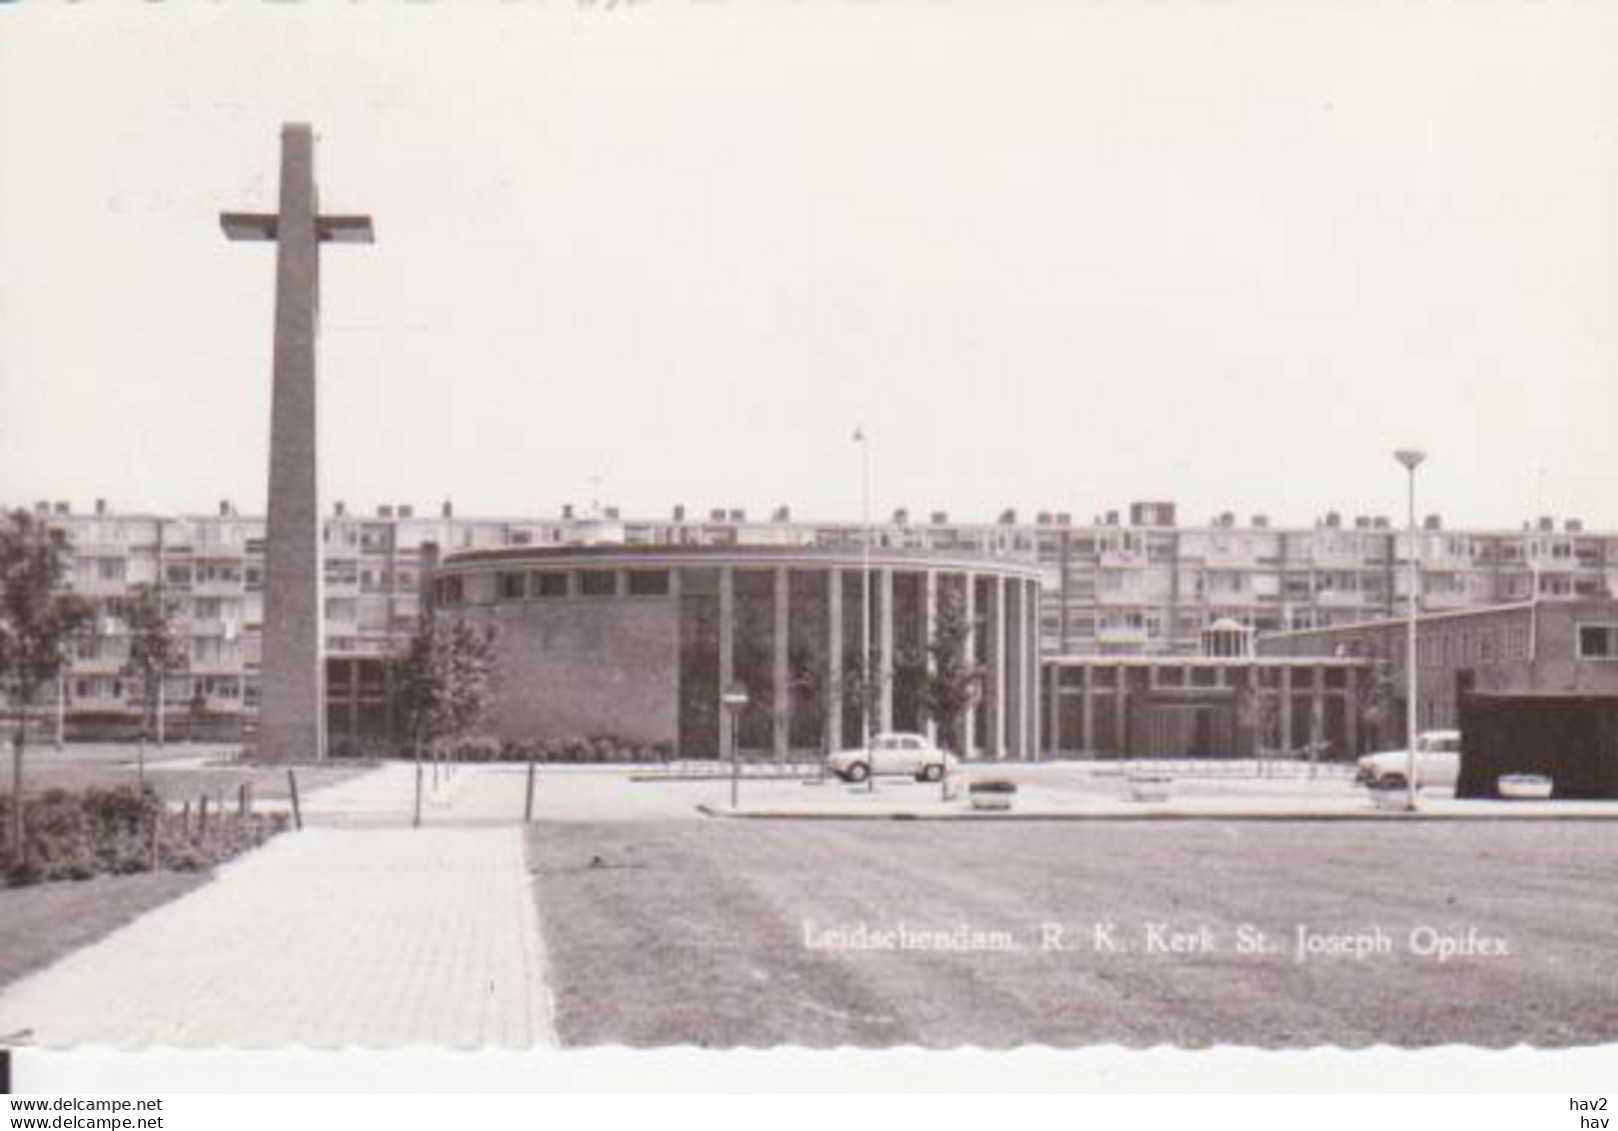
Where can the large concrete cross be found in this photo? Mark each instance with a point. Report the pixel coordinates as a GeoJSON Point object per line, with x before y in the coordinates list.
{"type": "Point", "coordinates": [292, 704]}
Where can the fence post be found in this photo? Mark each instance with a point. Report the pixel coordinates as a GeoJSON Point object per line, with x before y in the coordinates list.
{"type": "Point", "coordinates": [292, 787]}
{"type": "Point", "coordinates": [244, 798]}
{"type": "Point", "coordinates": [528, 806]}
{"type": "Point", "coordinates": [202, 817]}
{"type": "Point", "coordinates": [185, 820]}
{"type": "Point", "coordinates": [417, 822]}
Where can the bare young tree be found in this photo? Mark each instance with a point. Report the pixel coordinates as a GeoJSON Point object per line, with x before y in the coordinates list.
{"type": "Point", "coordinates": [156, 652]}
{"type": "Point", "coordinates": [39, 620]}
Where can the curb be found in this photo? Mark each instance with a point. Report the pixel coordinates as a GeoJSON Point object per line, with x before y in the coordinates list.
{"type": "Point", "coordinates": [1368, 816]}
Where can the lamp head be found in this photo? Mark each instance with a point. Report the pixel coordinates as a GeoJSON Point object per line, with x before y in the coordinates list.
{"type": "Point", "coordinates": [1410, 457]}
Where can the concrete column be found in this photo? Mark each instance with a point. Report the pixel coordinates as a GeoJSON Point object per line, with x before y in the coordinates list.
{"type": "Point", "coordinates": [970, 718]}
{"type": "Point", "coordinates": [997, 668]}
{"type": "Point", "coordinates": [884, 635]}
{"type": "Point", "coordinates": [1317, 704]}
{"type": "Point", "coordinates": [1029, 659]}
{"type": "Point", "coordinates": [292, 706]}
{"type": "Point", "coordinates": [1286, 708]}
{"type": "Point", "coordinates": [727, 651]}
{"type": "Point", "coordinates": [1088, 738]}
{"type": "Point", "coordinates": [1053, 682]}
{"type": "Point", "coordinates": [783, 699]}
{"type": "Point", "coordinates": [1351, 712]}
{"type": "Point", "coordinates": [1033, 652]}
{"type": "Point", "coordinates": [1121, 720]}
{"type": "Point", "coordinates": [834, 659]}
{"type": "Point", "coordinates": [929, 621]}
{"type": "Point", "coordinates": [1016, 691]}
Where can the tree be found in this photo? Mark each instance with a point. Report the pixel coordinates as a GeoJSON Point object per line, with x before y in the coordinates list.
{"type": "Point", "coordinates": [445, 680]}
{"type": "Point", "coordinates": [953, 682]}
{"type": "Point", "coordinates": [38, 621]}
{"type": "Point", "coordinates": [807, 687]}
{"type": "Point", "coordinates": [1378, 700]}
{"type": "Point", "coordinates": [156, 652]}
{"type": "Point", "coordinates": [862, 689]}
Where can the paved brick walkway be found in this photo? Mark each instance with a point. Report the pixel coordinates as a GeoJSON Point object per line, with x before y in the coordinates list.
{"type": "Point", "coordinates": [375, 937]}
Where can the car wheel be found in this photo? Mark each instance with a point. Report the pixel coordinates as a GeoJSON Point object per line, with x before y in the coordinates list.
{"type": "Point", "coordinates": [932, 773]}
{"type": "Point", "coordinates": [859, 771]}
{"type": "Point", "coordinates": [1390, 781]}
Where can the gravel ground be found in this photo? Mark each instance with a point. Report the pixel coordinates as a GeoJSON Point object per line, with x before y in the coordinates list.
{"type": "Point", "coordinates": [716, 933]}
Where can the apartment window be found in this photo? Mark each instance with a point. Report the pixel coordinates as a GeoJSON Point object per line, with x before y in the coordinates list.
{"type": "Point", "coordinates": [513, 586]}
{"type": "Point", "coordinates": [1598, 641]}
{"type": "Point", "coordinates": [551, 584]}
{"type": "Point", "coordinates": [598, 582]}
{"type": "Point", "coordinates": [648, 582]}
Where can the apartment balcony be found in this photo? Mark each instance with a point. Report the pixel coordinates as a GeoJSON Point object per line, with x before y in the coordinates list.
{"type": "Point", "coordinates": [1443, 602]}
{"type": "Point", "coordinates": [216, 665]}
{"type": "Point", "coordinates": [98, 665]}
{"type": "Point", "coordinates": [100, 587]}
{"type": "Point", "coordinates": [220, 552]}
{"type": "Point", "coordinates": [218, 588]}
{"type": "Point", "coordinates": [213, 629]}
{"type": "Point", "coordinates": [1343, 599]}
{"type": "Point", "coordinates": [1322, 558]}
{"type": "Point", "coordinates": [1122, 635]}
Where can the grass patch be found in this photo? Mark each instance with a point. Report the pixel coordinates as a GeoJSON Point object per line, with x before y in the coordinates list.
{"type": "Point", "coordinates": [106, 765]}
{"type": "Point", "coordinates": [45, 922]}
{"type": "Point", "coordinates": [673, 932]}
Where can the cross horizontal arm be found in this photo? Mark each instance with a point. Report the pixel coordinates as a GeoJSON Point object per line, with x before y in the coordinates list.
{"type": "Point", "coordinates": [248, 225]}
{"type": "Point", "coordinates": [266, 226]}
{"type": "Point", "coordinates": [345, 229]}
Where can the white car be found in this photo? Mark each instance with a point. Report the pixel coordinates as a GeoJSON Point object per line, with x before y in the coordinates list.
{"type": "Point", "coordinates": [1438, 762]}
{"type": "Point", "coordinates": [909, 755]}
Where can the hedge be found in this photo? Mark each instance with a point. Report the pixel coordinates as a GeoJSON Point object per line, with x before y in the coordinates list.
{"type": "Point", "coordinates": [75, 835]}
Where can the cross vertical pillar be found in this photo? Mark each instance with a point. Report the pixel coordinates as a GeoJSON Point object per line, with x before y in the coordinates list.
{"type": "Point", "coordinates": [292, 701]}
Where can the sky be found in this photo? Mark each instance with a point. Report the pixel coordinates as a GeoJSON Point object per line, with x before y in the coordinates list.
{"type": "Point", "coordinates": [1048, 256]}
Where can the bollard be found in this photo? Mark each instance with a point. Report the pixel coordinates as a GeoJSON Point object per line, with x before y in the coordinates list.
{"type": "Point", "coordinates": [528, 807]}
{"type": "Point", "coordinates": [185, 821]}
{"type": "Point", "coordinates": [417, 822]}
{"type": "Point", "coordinates": [202, 817]}
{"type": "Point", "coordinates": [244, 798]}
{"type": "Point", "coordinates": [292, 788]}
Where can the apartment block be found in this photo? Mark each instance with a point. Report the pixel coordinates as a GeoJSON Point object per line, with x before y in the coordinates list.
{"type": "Point", "coordinates": [1129, 583]}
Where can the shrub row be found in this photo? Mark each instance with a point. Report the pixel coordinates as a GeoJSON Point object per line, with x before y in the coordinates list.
{"type": "Point", "coordinates": [80, 834]}
{"type": "Point", "coordinates": [601, 748]}
{"type": "Point", "coordinates": [596, 749]}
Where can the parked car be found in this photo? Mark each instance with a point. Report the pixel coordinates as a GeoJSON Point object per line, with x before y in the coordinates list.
{"type": "Point", "coordinates": [1438, 762]}
{"type": "Point", "coordinates": [909, 755]}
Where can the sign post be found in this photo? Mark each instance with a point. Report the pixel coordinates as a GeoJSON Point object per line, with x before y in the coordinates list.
{"type": "Point", "coordinates": [734, 701]}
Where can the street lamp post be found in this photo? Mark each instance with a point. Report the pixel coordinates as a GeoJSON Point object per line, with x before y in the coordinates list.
{"type": "Point", "coordinates": [734, 701]}
{"type": "Point", "coordinates": [866, 683]}
{"type": "Point", "coordinates": [1411, 459]}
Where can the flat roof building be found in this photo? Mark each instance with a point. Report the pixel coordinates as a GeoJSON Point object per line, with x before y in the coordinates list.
{"type": "Point", "coordinates": [638, 643]}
